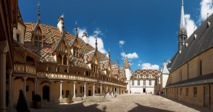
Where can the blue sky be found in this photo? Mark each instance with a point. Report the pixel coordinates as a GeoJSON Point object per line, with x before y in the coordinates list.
{"type": "Point", "coordinates": [143, 30]}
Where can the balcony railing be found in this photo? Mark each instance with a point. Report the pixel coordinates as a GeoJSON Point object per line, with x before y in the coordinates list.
{"type": "Point", "coordinates": [75, 78]}
{"type": "Point", "coordinates": [23, 68]}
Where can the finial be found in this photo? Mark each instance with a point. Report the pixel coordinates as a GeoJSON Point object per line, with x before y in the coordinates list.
{"type": "Point", "coordinates": [76, 29]}
{"type": "Point", "coordinates": [118, 62]}
{"type": "Point", "coordinates": [96, 43]}
{"type": "Point", "coordinates": [207, 16]}
{"type": "Point", "coordinates": [182, 2]}
{"type": "Point", "coordinates": [38, 12]}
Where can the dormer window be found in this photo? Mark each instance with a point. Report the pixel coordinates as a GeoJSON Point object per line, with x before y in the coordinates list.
{"type": "Point", "coordinates": [139, 76]}
{"type": "Point", "coordinates": [76, 51]}
{"type": "Point", "coordinates": [37, 38]}
{"type": "Point", "coordinates": [17, 37]}
{"type": "Point", "coordinates": [94, 68]}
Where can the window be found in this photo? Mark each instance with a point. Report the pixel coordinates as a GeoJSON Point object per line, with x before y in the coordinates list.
{"type": "Point", "coordinates": [150, 75]}
{"type": "Point", "coordinates": [195, 91]}
{"type": "Point", "coordinates": [187, 70]}
{"type": "Point", "coordinates": [187, 91]}
{"type": "Point", "coordinates": [139, 76]}
{"type": "Point", "coordinates": [180, 91]}
{"type": "Point", "coordinates": [144, 82]}
{"type": "Point", "coordinates": [87, 73]}
{"type": "Point", "coordinates": [150, 82]}
{"type": "Point", "coordinates": [138, 82]}
{"type": "Point", "coordinates": [17, 37]}
{"type": "Point", "coordinates": [94, 68]}
{"type": "Point", "coordinates": [37, 38]}
{"type": "Point", "coordinates": [132, 82]}
{"type": "Point", "coordinates": [76, 51]}
{"type": "Point", "coordinates": [65, 60]}
{"type": "Point", "coordinates": [200, 67]}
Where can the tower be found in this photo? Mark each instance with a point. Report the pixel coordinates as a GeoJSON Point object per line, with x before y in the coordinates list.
{"type": "Point", "coordinates": [60, 24]}
{"type": "Point", "coordinates": [85, 37]}
{"type": "Point", "coordinates": [182, 34]}
{"type": "Point", "coordinates": [128, 72]}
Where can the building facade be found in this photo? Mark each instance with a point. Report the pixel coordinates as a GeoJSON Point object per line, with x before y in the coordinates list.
{"type": "Point", "coordinates": [143, 81]}
{"type": "Point", "coordinates": [8, 20]}
{"type": "Point", "coordinates": [128, 72]}
{"type": "Point", "coordinates": [54, 63]}
{"type": "Point", "coordinates": [190, 70]}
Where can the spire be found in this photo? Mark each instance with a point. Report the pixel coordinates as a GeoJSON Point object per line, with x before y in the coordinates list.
{"type": "Point", "coordinates": [126, 64]}
{"type": "Point", "coordinates": [182, 31]}
{"type": "Point", "coordinates": [38, 12]}
{"type": "Point", "coordinates": [108, 54]}
{"type": "Point", "coordinates": [118, 63]}
{"type": "Point", "coordinates": [182, 21]}
{"type": "Point", "coordinates": [96, 43]}
{"type": "Point", "coordinates": [76, 29]}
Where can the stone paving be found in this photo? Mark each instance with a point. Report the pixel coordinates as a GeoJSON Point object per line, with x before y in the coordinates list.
{"type": "Point", "coordinates": [122, 103]}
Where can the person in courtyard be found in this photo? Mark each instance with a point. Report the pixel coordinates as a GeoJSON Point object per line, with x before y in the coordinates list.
{"type": "Point", "coordinates": [115, 94]}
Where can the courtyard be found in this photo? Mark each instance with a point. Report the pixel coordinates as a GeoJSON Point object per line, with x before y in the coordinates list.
{"type": "Point", "coordinates": [122, 103]}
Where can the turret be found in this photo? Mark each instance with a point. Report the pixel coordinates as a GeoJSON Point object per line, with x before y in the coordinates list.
{"type": "Point", "coordinates": [85, 37]}
{"type": "Point", "coordinates": [60, 24]}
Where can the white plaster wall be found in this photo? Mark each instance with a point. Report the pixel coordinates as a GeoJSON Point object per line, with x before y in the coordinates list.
{"type": "Point", "coordinates": [19, 30]}
{"type": "Point", "coordinates": [128, 75]}
{"type": "Point", "coordinates": [164, 80]}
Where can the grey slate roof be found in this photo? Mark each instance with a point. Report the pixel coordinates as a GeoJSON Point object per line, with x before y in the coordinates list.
{"type": "Point", "coordinates": [204, 79]}
{"type": "Point", "coordinates": [203, 42]}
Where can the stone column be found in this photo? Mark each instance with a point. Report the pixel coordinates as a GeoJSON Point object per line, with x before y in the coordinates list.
{"type": "Point", "coordinates": [35, 86]}
{"type": "Point", "coordinates": [10, 106]}
{"type": "Point", "coordinates": [118, 90]}
{"type": "Point", "coordinates": [100, 88]}
{"type": "Point", "coordinates": [85, 89]}
{"type": "Point", "coordinates": [3, 52]}
{"type": "Point", "coordinates": [60, 91]}
{"type": "Point", "coordinates": [93, 89]}
{"type": "Point", "coordinates": [24, 86]}
{"type": "Point", "coordinates": [74, 89]}
{"type": "Point", "coordinates": [107, 89]}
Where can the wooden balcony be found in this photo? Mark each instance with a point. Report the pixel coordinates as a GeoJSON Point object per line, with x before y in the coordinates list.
{"type": "Point", "coordinates": [65, 76]}
{"type": "Point", "coordinates": [24, 69]}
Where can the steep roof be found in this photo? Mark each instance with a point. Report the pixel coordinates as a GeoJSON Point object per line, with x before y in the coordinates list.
{"type": "Point", "coordinates": [200, 41]}
{"type": "Point", "coordinates": [145, 72]}
{"type": "Point", "coordinates": [52, 37]}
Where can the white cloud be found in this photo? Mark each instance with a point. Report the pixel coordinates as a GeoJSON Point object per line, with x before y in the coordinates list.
{"type": "Point", "coordinates": [121, 42]}
{"type": "Point", "coordinates": [91, 38]}
{"type": "Point", "coordinates": [129, 55]}
{"type": "Point", "coordinates": [190, 25]}
{"type": "Point", "coordinates": [149, 66]}
{"type": "Point", "coordinates": [206, 7]}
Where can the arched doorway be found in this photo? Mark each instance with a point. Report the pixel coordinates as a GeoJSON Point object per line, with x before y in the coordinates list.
{"type": "Point", "coordinates": [46, 93]}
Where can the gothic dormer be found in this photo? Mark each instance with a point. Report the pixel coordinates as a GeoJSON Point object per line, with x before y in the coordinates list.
{"type": "Point", "coordinates": [37, 35]}
{"type": "Point", "coordinates": [76, 44]}
{"type": "Point", "coordinates": [182, 35]}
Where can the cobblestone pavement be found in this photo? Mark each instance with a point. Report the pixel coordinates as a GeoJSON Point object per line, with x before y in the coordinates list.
{"type": "Point", "coordinates": [123, 103]}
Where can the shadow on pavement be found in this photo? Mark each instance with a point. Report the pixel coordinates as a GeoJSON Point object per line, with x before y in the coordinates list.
{"type": "Point", "coordinates": [78, 107]}
{"type": "Point", "coordinates": [198, 108]}
{"type": "Point", "coordinates": [141, 108]}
